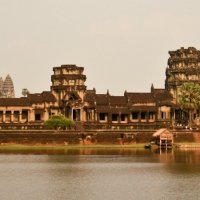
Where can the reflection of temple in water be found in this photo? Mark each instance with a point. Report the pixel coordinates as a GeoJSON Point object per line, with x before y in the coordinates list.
{"type": "Point", "coordinates": [183, 155]}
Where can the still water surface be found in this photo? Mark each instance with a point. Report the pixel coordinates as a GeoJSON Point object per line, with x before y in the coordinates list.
{"type": "Point", "coordinates": [97, 174]}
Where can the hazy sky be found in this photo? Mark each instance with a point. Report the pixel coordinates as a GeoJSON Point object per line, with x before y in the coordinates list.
{"type": "Point", "coordinates": [122, 44]}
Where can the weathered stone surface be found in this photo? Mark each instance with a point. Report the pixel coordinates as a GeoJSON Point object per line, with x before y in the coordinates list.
{"type": "Point", "coordinates": [89, 137]}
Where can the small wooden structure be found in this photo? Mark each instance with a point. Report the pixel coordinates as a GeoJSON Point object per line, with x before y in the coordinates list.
{"type": "Point", "coordinates": [163, 138]}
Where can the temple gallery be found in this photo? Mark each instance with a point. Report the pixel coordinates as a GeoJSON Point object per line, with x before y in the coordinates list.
{"type": "Point", "coordinates": [69, 95]}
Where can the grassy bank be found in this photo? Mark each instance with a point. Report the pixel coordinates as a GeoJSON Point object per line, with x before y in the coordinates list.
{"type": "Point", "coordinates": [18, 146]}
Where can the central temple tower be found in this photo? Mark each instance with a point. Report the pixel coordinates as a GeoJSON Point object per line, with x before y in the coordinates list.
{"type": "Point", "coordinates": [68, 86]}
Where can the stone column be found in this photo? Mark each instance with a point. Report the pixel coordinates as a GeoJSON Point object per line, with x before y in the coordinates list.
{"type": "Point", "coordinates": [119, 118]}
{"type": "Point", "coordinates": [139, 116]}
{"type": "Point", "coordinates": [29, 115]}
{"type": "Point", "coordinates": [147, 116]}
{"type": "Point", "coordinates": [31, 112]}
{"type": "Point", "coordinates": [12, 117]}
{"type": "Point", "coordinates": [4, 116]}
{"type": "Point", "coordinates": [80, 114]}
{"type": "Point", "coordinates": [95, 115]}
{"type": "Point", "coordinates": [76, 114]}
{"type": "Point", "coordinates": [20, 116]}
{"type": "Point", "coordinates": [109, 118]}
{"type": "Point", "coordinates": [45, 114]}
{"type": "Point", "coordinates": [87, 115]}
{"type": "Point", "coordinates": [129, 117]}
{"type": "Point", "coordinates": [72, 114]}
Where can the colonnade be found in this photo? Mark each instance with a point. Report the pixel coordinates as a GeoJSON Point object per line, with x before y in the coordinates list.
{"type": "Point", "coordinates": [22, 116]}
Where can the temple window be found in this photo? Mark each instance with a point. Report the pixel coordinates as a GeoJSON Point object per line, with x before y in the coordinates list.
{"type": "Point", "coordinates": [151, 115]}
{"type": "Point", "coordinates": [16, 116]}
{"type": "Point", "coordinates": [123, 117]}
{"type": "Point", "coordinates": [114, 117]}
{"type": "Point", "coordinates": [102, 116]}
{"type": "Point", "coordinates": [89, 116]}
{"type": "Point", "coordinates": [24, 115]}
{"type": "Point", "coordinates": [135, 115]}
{"type": "Point", "coordinates": [37, 117]}
{"type": "Point", "coordinates": [143, 115]}
{"type": "Point", "coordinates": [163, 115]}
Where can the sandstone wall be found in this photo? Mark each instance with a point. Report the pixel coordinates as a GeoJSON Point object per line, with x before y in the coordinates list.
{"type": "Point", "coordinates": [89, 137]}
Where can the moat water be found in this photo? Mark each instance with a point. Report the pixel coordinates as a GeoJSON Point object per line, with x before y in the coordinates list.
{"type": "Point", "coordinates": [97, 174]}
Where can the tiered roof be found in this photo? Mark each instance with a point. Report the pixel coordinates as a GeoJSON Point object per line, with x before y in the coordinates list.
{"type": "Point", "coordinates": [41, 97]}
{"type": "Point", "coordinates": [23, 101]}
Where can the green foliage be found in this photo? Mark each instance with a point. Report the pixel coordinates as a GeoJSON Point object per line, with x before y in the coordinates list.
{"type": "Point", "coordinates": [59, 121]}
{"type": "Point", "coordinates": [25, 92]}
{"type": "Point", "coordinates": [189, 97]}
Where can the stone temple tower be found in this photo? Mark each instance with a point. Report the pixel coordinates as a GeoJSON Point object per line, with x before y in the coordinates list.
{"type": "Point", "coordinates": [183, 66]}
{"type": "Point", "coordinates": [8, 88]}
{"type": "Point", "coordinates": [68, 78]}
{"type": "Point", "coordinates": [1, 87]}
{"type": "Point", "coordinates": [68, 86]}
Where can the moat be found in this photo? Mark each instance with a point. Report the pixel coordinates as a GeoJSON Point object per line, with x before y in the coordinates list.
{"type": "Point", "coordinates": [99, 174]}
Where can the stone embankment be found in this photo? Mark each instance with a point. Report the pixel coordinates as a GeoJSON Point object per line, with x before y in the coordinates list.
{"type": "Point", "coordinates": [97, 137]}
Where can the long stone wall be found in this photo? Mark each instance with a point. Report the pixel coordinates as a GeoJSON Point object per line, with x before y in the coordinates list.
{"type": "Point", "coordinates": [89, 137]}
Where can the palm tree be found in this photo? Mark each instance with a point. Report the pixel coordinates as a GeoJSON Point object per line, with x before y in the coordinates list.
{"type": "Point", "coordinates": [189, 98]}
{"type": "Point", "coordinates": [25, 92]}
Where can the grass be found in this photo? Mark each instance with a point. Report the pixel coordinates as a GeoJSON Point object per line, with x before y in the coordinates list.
{"type": "Point", "coordinates": [194, 143]}
{"type": "Point", "coordinates": [19, 146]}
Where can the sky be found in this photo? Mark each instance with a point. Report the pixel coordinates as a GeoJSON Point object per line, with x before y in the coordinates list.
{"type": "Point", "coordinates": [122, 44]}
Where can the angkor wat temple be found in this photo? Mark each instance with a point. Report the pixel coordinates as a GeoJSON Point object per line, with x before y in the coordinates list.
{"type": "Point", "coordinates": [7, 88]}
{"type": "Point", "coordinates": [70, 96]}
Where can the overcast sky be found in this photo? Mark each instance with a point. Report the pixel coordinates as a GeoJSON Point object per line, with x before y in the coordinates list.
{"type": "Point", "coordinates": [122, 44]}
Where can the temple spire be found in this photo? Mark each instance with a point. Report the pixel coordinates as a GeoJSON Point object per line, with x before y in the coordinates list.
{"type": "Point", "coordinates": [8, 88]}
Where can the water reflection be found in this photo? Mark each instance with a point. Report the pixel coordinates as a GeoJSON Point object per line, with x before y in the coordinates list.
{"type": "Point", "coordinates": [89, 174]}
{"type": "Point", "coordinates": [149, 155]}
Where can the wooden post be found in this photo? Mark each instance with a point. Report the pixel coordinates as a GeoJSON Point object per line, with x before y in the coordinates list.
{"type": "Point", "coordinates": [160, 143]}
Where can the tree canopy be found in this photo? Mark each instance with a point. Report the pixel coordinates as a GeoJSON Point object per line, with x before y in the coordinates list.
{"type": "Point", "coordinates": [25, 92]}
{"type": "Point", "coordinates": [59, 121]}
{"type": "Point", "coordinates": [189, 97]}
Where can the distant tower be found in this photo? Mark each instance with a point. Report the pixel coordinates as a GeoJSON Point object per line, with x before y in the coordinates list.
{"type": "Point", "coordinates": [1, 87]}
{"type": "Point", "coordinates": [8, 88]}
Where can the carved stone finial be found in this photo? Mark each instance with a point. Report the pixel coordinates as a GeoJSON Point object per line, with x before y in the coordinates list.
{"type": "Point", "coordinates": [152, 88]}
{"type": "Point", "coordinates": [108, 93]}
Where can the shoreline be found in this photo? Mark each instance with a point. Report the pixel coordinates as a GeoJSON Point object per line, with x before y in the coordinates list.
{"type": "Point", "coordinates": [57, 146]}
{"type": "Point", "coordinates": [39, 146]}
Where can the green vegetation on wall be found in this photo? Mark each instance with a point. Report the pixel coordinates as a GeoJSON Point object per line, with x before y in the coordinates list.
{"type": "Point", "coordinates": [59, 121]}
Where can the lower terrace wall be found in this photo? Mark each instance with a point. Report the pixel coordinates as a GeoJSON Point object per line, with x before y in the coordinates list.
{"type": "Point", "coordinates": [39, 125]}
{"type": "Point", "coordinates": [89, 137]}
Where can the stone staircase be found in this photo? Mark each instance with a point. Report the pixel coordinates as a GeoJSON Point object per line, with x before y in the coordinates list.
{"type": "Point", "coordinates": [79, 126]}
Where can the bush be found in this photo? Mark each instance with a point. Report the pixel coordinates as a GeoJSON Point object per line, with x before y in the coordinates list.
{"type": "Point", "coordinates": [59, 121]}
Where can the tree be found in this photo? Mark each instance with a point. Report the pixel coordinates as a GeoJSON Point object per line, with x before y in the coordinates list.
{"type": "Point", "coordinates": [189, 97]}
{"type": "Point", "coordinates": [25, 92]}
{"type": "Point", "coordinates": [59, 121]}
